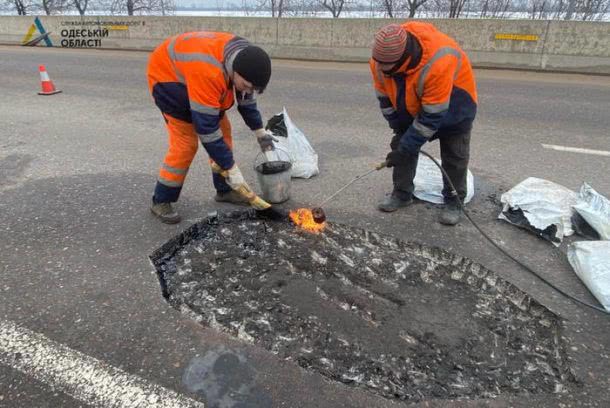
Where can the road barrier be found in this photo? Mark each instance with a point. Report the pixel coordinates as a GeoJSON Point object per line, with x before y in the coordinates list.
{"type": "Point", "coordinates": [570, 46]}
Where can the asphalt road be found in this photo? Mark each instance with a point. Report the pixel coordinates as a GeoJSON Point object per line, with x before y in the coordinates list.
{"type": "Point", "coordinates": [78, 170]}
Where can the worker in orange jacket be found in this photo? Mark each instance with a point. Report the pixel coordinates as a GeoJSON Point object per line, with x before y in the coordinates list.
{"type": "Point", "coordinates": [426, 90]}
{"type": "Point", "coordinates": [194, 79]}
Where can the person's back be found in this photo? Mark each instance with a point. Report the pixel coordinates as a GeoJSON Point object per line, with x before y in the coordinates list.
{"type": "Point", "coordinates": [200, 44]}
{"type": "Point", "coordinates": [441, 77]}
{"type": "Point", "coordinates": [191, 67]}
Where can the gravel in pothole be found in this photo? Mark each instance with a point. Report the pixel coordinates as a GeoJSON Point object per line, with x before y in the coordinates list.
{"type": "Point", "coordinates": [400, 319]}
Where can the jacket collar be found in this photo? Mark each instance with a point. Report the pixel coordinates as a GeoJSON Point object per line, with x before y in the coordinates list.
{"type": "Point", "coordinates": [415, 52]}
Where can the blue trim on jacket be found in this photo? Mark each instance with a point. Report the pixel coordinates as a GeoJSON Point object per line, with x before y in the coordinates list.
{"type": "Point", "coordinates": [220, 153]}
{"type": "Point", "coordinates": [172, 99]}
{"type": "Point", "coordinates": [249, 112]}
{"type": "Point", "coordinates": [457, 119]}
{"type": "Point", "coordinates": [205, 123]}
{"type": "Point", "coordinates": [251, 116]}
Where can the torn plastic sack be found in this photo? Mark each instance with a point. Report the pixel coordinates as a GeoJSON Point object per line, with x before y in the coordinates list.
{"type": "Point", "coordinates": [303, 157]}
{"type": "Point", "coordinates": [595, 209]}
{"type": "Point", "coordinates": [582, 228]}
{"type": "Point", "coordinates": [429, 182]}
{"type": "Point", "coordinates": [540, 206]}
{"type": "Point", "coordinates": [591, 262]}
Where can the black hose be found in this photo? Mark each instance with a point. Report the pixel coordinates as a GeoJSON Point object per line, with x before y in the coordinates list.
{"type": "Point", "coordinates": [517, 261]}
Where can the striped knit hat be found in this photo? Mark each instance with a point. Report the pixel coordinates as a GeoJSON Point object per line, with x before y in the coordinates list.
{"type": "Point", "coordinates": [390, 43]}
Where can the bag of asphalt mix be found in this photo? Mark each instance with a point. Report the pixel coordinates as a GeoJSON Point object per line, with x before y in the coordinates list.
{"type": "Point", "coordinates": [290, 138]}
{"type": "Point", "coordinates": [591, 262]}
{"type": "Point", "coordinates": [540, 206]}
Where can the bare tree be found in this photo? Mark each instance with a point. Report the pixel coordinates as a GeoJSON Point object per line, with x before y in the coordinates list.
{"type": "Point", "coordinates": [594, 9]}
{"type": "Point", "coordinates": [398, 8]}
{"type": "Point", "coordinates": [136, 7]}
{"type": "Point", "coordinates": [570, 10]}
{"type": "Point", "coordinates": [558, 8]}
{"type": "Point", "coordinates": [277, 7]}
{"type": "Point", "coordinates": [81, 6]}
{"type": "Point", "coordinates": [585, 10]}
{"type": "Point", "coordinates": [436, 8]}
{"type": "Point", "coordinates": [21, 6]}
{"type": "Point", "coordinates": [456, 7]}
{"type": "Point", "coordinates": [413, 5]}
{"type": "Point", "coordinates": [52, 6]}
{"type": "Point", "coordinates": [302, 7]}
{"type": "Point", "coordinates": [167, 7]}
{"type": "Point", "coordinates": [334, 6]}
{"type": "Point", "coordinates": [390, 7]}
{"type": "Point", "coordinates": [494, 8]}
{"type": "Point", "coordinates": [539, 9]}
{"type": "Point", "coordinates": [245, 6]}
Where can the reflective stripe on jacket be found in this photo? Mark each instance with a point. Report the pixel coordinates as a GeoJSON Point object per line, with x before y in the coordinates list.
{"type": "Point", "coordinates": [438, 95]}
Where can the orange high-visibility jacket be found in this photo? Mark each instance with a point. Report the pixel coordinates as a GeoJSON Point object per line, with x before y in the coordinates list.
{"type": "Point", "coordinates": [435, 97]}
{"type": "Point", "coordinates": [189, 78]}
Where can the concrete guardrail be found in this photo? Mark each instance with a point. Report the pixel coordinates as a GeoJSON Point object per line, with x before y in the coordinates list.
{"type": "Point", "coordinates": [569, 46]}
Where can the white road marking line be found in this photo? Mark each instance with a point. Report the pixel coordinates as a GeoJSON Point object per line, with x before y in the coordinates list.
{"type": "Point", "coordinates": [576, 150]}
{"type": "Point", "coordinates": [85, 378]}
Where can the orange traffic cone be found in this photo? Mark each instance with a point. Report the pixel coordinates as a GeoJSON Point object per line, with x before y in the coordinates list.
{"type": "Point", "coordinates": [47, 85]}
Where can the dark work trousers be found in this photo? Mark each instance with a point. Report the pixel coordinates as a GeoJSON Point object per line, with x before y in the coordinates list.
{"type": "Point", "coordinates": [455, 154]}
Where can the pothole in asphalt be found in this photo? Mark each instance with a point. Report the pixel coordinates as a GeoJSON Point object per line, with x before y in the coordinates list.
{"type": "Point", "coordinates": [400, 319]}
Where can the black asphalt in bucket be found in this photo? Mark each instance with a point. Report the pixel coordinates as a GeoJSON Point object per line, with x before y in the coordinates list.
{"type": "Point", "coordinates": [273, 167]}
{"type": "Point", "coordinates": [273, 170]}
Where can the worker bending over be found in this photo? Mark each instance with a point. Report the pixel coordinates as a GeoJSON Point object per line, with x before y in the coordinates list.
{"type": "Point", "coordinates": [194, 79]}
{"type": "Point", "coordinates": [426, 91]}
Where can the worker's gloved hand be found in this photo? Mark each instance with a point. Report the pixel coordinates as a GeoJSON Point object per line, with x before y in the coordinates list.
{"type": "Point", "coordinates": [234, 178]}
{"type": "Point", "coordinates": [396, 158]}
{"type": "Point", "coordinates": [265, 139]}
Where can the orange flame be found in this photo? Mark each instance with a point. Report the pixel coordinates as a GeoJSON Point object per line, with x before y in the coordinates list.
{"type": "Point", "coordinates": [303, 218]}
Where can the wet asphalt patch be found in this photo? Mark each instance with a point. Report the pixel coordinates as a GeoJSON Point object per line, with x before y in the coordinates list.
{"type": "Point", "coordinates": [402, 320]}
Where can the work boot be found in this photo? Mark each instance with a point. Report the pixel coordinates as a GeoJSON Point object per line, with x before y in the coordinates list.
{"type": "Point", "coordinates": [392, 202]}
{"type": "Point", "coordinates": [230, 197]}
{"type": "Point", "coordinates": [165, 212]}
{"type": "Point", "coordinates": [451, 214]}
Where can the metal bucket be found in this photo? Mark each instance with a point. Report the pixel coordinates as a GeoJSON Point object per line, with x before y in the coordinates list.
{"type": "Point", "coordinates": [273, 174]}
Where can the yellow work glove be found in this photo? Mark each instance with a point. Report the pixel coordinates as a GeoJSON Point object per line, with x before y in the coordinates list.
{"type": "Point", "coordinates": [236, 181]}
{"type": "Point", "coordinates": [234, 178]}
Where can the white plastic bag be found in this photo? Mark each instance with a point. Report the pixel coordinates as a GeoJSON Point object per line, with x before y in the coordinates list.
{"type": "Point", "coordinates": [303, 157]}
{"type": "Point", "coordinates": [595, 209]}
{"type": "Point", "coordinates": [429, 182]}
{"type": "Point", "coordinates": [541, 206]}
{"type": "Point", "coordinates": [591, 262]}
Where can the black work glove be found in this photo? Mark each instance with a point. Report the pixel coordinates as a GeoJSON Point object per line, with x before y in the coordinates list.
{"type": "Point", "coordinates": [396, 158]}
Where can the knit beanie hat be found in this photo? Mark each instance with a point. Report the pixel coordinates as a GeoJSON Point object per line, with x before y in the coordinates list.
{"type": "Point", "coordinates": [254, 65]}
{"type": "Point", "coordinates": [390, 44]}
